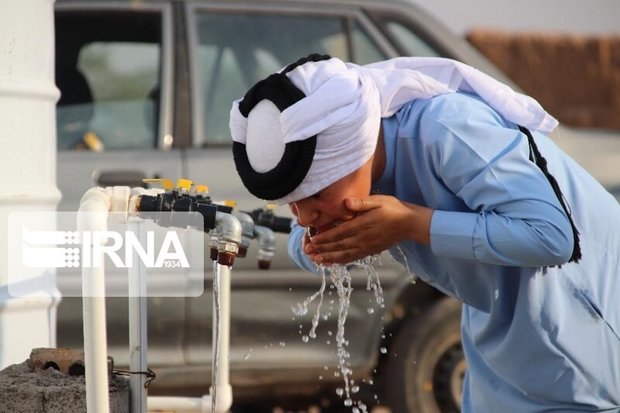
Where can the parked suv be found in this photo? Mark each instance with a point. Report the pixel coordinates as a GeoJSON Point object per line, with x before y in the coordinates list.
{"type": "Point", "coordinates": [146, 91]}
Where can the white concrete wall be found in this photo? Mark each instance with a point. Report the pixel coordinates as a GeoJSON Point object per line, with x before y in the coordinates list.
{"type": "Point", "coordinates": [28, 97]}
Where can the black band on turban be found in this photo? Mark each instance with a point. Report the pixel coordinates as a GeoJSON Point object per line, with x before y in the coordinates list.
{"type": "Point", "coordinates": [297, 158]}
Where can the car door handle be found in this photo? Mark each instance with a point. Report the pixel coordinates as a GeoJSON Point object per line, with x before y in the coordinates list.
{"type": "Point", "coordinates": [119, 178]}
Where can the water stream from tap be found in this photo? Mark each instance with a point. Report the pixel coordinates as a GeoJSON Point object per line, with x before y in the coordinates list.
{"type": "Point", "coordinates": [216, 333]}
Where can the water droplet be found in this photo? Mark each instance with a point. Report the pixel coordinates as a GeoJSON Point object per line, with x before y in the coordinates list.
{"type": "Point", "coordinates": [371, 310]}
{"type": "Point", "coordinates": [320, 377]}
{"type": "Point", "coordinates": [305, 339]}
{"type": "Point", "coordinates": [371, 382]}
{"type": "Point", "coordinates": [340, 391]}
{"type": "Point", "coordinates": [329, 333]}
{"type": "Point", "coordinates": [348, 402]}
{"type": "Point", "coordinates": [355, 410]}
{"type": "Point", "coordinates": [383, 350]}
{"type": "Point", "coordinates": [282, 344]}
{"type": "Point", "coordinates": [325, 368]}
{"type": "Point", "coordinates": [246, 356]}
{"type": "Point", "coordinates": [355, 389]}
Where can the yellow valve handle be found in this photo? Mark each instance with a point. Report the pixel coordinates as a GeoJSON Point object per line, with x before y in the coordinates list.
{"type": "Point", "coordinates": [184, 184]}
{"type": "Point", "coordinates": [167, 184]}
{"type": "Point", "coordinates": [230, 203]}
{"type": "Point", "coordinates": [202, 189]}
{"type": "Point", "coordinates": [92, 141]}
{"type": "Point", "coordinates": [271, 206]}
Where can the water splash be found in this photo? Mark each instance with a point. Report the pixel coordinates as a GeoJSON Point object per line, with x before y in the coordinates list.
{"type": "Point", "coordinates": [373, 283]}
{"type": "Point", "coordinates": [340, 278]}
{"type": "Point", "coordinates": [405, 262]}
{"type": "Point", "coordinates": [301, 309]}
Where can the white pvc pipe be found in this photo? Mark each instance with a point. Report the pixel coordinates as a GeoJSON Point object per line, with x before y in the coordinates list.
{"type": "Point", "coordinates": [179, 404]}
{"type": "Point", "coordinates": [96, 206]}
{"type": "Point", "coordinates": [223, 390]}
{"type": "Point", "coordinates": [92, 216]}
{"type": "Point", "coordinates": [137, 325]}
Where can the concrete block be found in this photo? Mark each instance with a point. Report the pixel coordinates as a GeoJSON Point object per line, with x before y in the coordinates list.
{"type": "Point", "coordinates": [28, 388]}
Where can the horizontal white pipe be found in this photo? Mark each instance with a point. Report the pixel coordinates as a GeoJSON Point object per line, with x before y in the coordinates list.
{"type": "Point", "coordinates": [178, 404]}
{"type": "Point", "coordinates": [192, 404]}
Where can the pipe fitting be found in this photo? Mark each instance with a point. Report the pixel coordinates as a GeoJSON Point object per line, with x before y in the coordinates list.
{"type": "Point", "coordinates": [266, 246]}
{"type": "Point", "coordinates": [247, 234]}
{"type": "Point", "coordinates": [212, 244]}
{"type": "Point", "coordinates": [229, 231]}
{"type": "Point", "coordinates": [226, 253]}
{"type": "Point", "coordinates": [228, 228]}
{"type": "Point", "coordinates": [133, 207]}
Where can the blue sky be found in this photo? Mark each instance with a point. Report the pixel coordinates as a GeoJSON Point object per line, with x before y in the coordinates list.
{"type": "Point", "coordinates": [574, 16]}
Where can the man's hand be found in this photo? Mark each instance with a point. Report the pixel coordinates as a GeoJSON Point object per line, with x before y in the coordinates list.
{"type": "Point", "coordinates": [380, 222]}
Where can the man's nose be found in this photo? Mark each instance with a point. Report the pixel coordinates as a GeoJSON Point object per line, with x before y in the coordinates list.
{"type": "Point", "coordinates": [304, 212]}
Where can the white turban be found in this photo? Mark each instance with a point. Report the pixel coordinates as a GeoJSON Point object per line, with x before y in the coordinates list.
{"type": "Point", "coordinates": [343, 107]}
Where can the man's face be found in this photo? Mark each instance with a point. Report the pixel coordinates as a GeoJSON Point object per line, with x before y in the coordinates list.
{"type": "Point", "coordinates": [326, 208]}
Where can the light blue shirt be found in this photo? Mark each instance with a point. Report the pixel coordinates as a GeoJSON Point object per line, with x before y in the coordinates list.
{"type": "Point", "coordinates": [537, 338]}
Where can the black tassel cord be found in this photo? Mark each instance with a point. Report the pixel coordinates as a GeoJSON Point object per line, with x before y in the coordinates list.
{"type": "Point", "coordinates": [541, 162]}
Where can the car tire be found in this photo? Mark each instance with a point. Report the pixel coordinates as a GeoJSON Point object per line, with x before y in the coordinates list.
{"type": "Point", "coordinates": [424, 369]}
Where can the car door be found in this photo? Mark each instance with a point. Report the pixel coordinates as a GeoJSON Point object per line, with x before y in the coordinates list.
{"type": "Point", "coordinates": [114, 127]}
{"type": "Point", "coordinates": [232, 46]}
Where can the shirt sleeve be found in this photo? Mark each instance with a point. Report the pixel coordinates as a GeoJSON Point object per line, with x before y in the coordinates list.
{"type": "Point", "coordinates": [512, 216]}
{"type": "Point", "coordinates": [295, 252]}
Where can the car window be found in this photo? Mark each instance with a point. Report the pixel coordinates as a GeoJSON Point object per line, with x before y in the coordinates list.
{"type": "Point", "coordinates": [236, 50]}
{"type": "Point", "coordinates": [108, 73]}
{"type": "Point", "coordinates": [408, 40]}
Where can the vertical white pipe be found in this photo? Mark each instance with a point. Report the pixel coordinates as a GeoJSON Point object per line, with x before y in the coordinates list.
{"type": "Point", "coordinates": [137, 324]}
{"type": "Point", "coordinates": [223, 389]}
{"type": "Point", "coordinates": [92, 216]}
{"type": "Point", "coordinates": [27, 165]}
{"type": "Point", "coordinates": [224, 338]}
